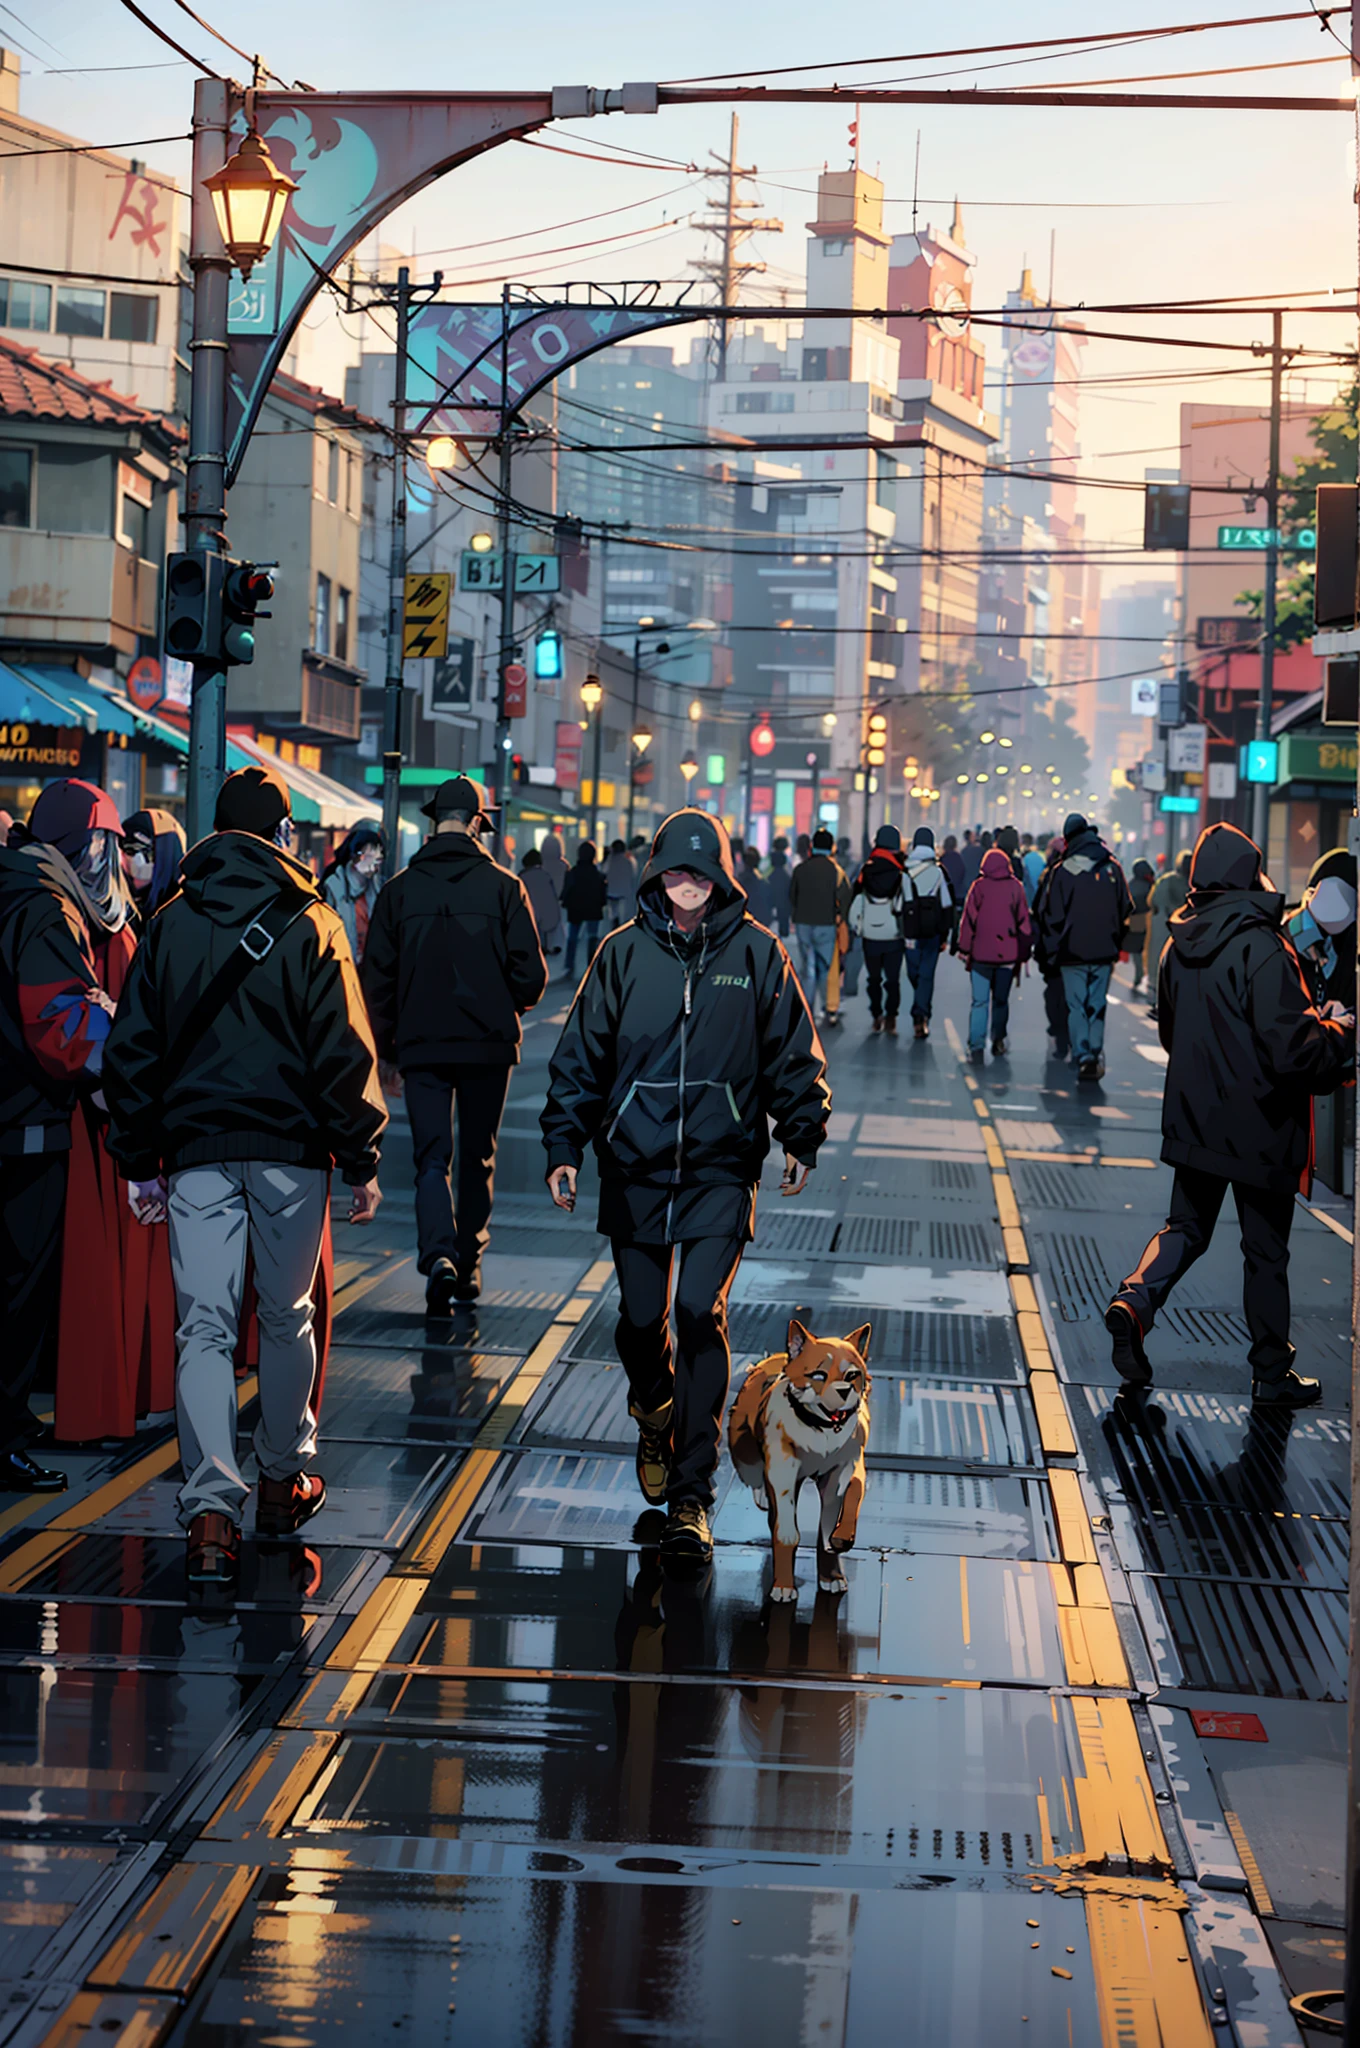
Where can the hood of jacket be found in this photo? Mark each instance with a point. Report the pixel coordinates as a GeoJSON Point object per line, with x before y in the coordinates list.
{"type": "Point", "coordinates": [1085, 850]}
{"type": "Point", "coordinates": [1210, 919]}
{"type": "Point", "coordinates": [36, 868]}
{"type": "Point", "coordinates": [692, 839]}
{"type": "Point", "coordinates": [233, 876]}
{"type": "Point", "coordinates": [881, 875]}
{"type": "Point", "coordinates": [996, 865]}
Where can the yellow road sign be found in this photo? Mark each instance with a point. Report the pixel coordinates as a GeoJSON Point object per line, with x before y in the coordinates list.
{"type": "Point", "coordinates": [425, 617]}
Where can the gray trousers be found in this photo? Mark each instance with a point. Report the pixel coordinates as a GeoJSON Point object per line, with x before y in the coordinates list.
{"type": "Point", "coordinates": [215, 1212]}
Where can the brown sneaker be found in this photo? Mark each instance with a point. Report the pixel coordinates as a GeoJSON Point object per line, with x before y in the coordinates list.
{"type": "Point", "coordinates": [213, 1554]}
{"type": "Point", "coordinates": [283, 1505]}
{"type": "Point", "coordinates": [688, 1543]}
{"type": "Point", "coordinates": [654, 1453]}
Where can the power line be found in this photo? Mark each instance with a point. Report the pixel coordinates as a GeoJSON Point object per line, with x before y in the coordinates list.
{"type": "Point", "coordinates": [167, 38]}
{"type": "Point", "coordinates": [94, 148]}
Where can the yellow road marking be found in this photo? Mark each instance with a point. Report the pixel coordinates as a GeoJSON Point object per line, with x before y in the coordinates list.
{"type": "Point", "coordinates": [1055, 1429]}
{"type": "Point", "coordinates": [1074, 1524]}
{"type": "Point", "coordinates": [1251, 1869]}
{"type": "Point", "coordinates": [1119, 1821]}
{"type": "Point", "coordinates": [138, 2022]}
{"type": "Point", "coordinates": [1146, 1990]}
{"type": "Point", "coordinates": [1081, 1158]}
{"type": "Point", "coordinates": [1346, 1236]}
{"type": "Point", "coordinates": [174, 1934]}
{"type": "Point", "coordinates": [598, 1276]}
{"type": "Point", "coordinates": [266, 1795]}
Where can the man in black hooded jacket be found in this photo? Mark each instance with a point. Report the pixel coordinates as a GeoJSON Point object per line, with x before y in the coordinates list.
{"type": "Point", "coordinates": [1247, 1052]}
{"type": "Point", "coordinates": [1081, 915]}
{"type": "Point", "coordinates": [689, 1035]}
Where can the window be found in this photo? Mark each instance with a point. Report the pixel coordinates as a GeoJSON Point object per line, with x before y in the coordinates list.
{"type": "Point", "coordinates": [764, 401]}
{"type": "Point", "coordinates": [321, 637]}
{"type": "Point", "coordinates": [79, 311]}
{"type": "Point", "coordinates": [835, 245]}
{"type": "Point", "coordinates": [352, 483]}
{"type": "Point", "coordinates": [75, 491]}
{"type": "Point", "coordinates": [342, 601]}
{"type": "Point", "coordinates": [132, 526]}
{"type": "Point", "coordinates": [16, 487]}
{"type": "Point", "coordinates": [885, 481]}
{"type": "Point", "coordinates": [333, 473]}
{"type": "Point", "coordinates": [25, 305]}
{"type": "Point", "coordinates": [132, 316]}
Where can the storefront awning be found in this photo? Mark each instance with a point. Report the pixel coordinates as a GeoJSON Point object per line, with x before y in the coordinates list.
{"type": "Point", "coordinates": [61, 696]}
{"type": "Point", "coordinates": [316, 799]}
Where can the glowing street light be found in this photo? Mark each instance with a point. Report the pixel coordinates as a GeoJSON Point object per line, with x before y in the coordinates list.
{"type": "Point", "coordinates": [642, 738]}
{"type": "Point", "coordinates": [482, 543]}
{"type": "Point", "coordinates": [696, 710]}
{"type": "Point", "coordinates": [828, 722]}
{"type": "Point", "coordinates": [985, 738]}
{"type": "Point", "coordinates": [689, 767]}
{"type": "Point", "coordinates": [592, 693]}
{"type": "Point", "coordinates": [249, 195]}
{"type": "Point", "coordinates": [442, 453]}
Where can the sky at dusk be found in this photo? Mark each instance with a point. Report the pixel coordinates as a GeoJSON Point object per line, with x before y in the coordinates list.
{"type": "Point", "coordinates": [1137, 205]}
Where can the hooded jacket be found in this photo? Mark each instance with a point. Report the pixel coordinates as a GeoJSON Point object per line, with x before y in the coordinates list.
{"type": "Point", "coordinates": [780, 881]}
{"type": "Point", "coordinates": [1167, 894]}
{"type": "Point", "coordinates": [1141, 879]}
{"type": "Point", "coordinates": [453, 959]}
{"type": "Point", "coordinates": [679, 1051]}
{"type": "Point", "coordinates": [819, 891]}
{"type": "Point", "coordinates": [1246, 1048]}
{"type": "Point", "coordinates": [1082, 910]}
{"type": "Point", "coordinates": [53, 1025]}
{"type": "Point", "coordinates": [924, 876]}
{"type": "Point", "coordinates": [585, 894]}
{"type": "Point", "coordinates": [758, 893]}
{"type": "Point", "coordinates": [285, 1071]}
{"type": "Point", "coordinates": [995, 930]}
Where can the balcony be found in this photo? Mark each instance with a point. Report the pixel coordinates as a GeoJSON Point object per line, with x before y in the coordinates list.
{"type": "Point", "coordinates": [74, 590]}
{"type": "Point", "coordinates": [329, 697]}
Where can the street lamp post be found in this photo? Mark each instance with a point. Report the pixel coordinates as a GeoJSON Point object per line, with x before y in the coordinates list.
{"type": "Point", "coordinates": [662, 647]}
{"type": "Point", "coordinates": [592, 696]}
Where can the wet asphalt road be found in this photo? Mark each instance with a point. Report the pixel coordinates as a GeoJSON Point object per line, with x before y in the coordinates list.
{"type": "Point", "coordinates": [1066, 1764]}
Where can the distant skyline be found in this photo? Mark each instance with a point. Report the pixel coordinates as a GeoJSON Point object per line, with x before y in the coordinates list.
{"type": "Point", "coordinates": [1143, 205]}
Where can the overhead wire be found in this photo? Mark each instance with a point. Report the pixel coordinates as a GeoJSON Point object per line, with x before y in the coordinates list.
{"type": "Point", "coordinates": [165, 37]}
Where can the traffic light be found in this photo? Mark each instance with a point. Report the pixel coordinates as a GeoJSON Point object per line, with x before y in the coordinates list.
{"type": "Point", "coordinates": [1338, 559]}
{"type": "Point", "coordinates": [193, 607]}
{"type": "Point", "coordinates": [1166, 516]}
{"type": "Point", "coordinates": [246, 586]}
{"type": "Point", "coordinates": [519, 769]}
{"type": "Point", "coordinates": [548, 656]}
{"type": "Point", "coordinates": [877, 740]}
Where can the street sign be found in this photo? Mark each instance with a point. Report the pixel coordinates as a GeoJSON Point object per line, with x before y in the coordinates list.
{"type": "Point", "coordinates": [1233, 631]}
{"type": "Point", "coordinates": [567, 754]}
{"type": "Point", "coordinates": [1222, 779]}
{"type": "Point", "coordinates": [146, 682]}
{"type": "Point", "coordinates": [450, 693]}
{"type": "Point", "coordinates": [1260, 761]}
{"type": "Point", "coordinates": [1184, 804]}
{"type": "Point", "coordinates": [1153, 774]}
{"type": "Point", "coordinates": [532, 572]}
{"type": "Point", "coordinates": [1143, 696]}
{"type": "Point", "coordinates": [516, 679]}
{"type": "Point", "coordinates": [425, 616]}
{"type": "Point", "coordinates": [1170, 703]}
{"type": "Point", "coordinates": [1258, 537]}
{"type": "Point", "coordinates": [1187, 748]}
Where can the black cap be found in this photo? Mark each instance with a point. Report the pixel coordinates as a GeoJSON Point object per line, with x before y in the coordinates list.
{"type": "Point", "coordinates": [822, 841]}
{"type": "Point", "coordinates": [253, 800]}
{"type": "Point", "coordinates": [888, 839]}
{"type": "Point", "coordinates": [460, 793]}
{"type": "Point", "coordinates": [1073, 823]}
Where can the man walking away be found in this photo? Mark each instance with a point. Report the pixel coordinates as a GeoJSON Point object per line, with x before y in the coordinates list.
{"type": "Point", "coordinates": [689, 1040]}
{"type": "Point", "coordinates": [620, 881]}
{"type": "Point", "coordinates": [239, 1070]}
{"type": "Point", "coordinates": [1246, 1053]}
{"type": "Point", "coordinates": [1032, 861]}
{"type": "Point", "coordinates": [543, 901]}
{"type": "Point", "coordinates": [1055, 999]}
{"type": "Point", "coordinates": [994, 938]}
{"type": "Point", "coordinates": [1142, 875]}
{"type": "Point", "coordinates": [585, 899]}
{"type": "Point", "coordinates": [453, 963]}
{"type": "Point", "coordinates": [876, 920]}
{"type": "Point", "coordinates": [780, 878]}
{"type": "Point", "coordinates": [927, 915]}
{"type": "Point", "coordinates": [759, 896]}
{"type": "Point", "coordinates": [819, 898]}
{"type": "Point", "coordinates": [1082, 919]}
{"type": "Point", "coordinates": [1169, 892]}
{"type": "Point", "coordinates": [970, 856]}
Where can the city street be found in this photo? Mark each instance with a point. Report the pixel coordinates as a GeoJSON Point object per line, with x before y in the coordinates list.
{"type": "Point", "coordinates": [1066, 1765]}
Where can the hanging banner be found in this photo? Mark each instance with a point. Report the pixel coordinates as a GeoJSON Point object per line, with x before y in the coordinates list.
{"type": "Point", "coordinates": [468, 361]}
{"type": "Point", "coordinates": [354, 157]}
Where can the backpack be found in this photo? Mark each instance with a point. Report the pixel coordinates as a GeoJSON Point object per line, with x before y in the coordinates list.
{"type": "Point", "coordinates": [876, 918]}
{"type": "Point", "coordinates": [922, 917]}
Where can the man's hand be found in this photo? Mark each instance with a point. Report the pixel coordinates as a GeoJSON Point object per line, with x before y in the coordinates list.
{"type": "Point", "coordinates": [390, 1081]}
{"type": "Point", "coordinates": [562, 1186]}
{"type": "Point", "coordinates": [363, 1202]}
{"type": "Point", "coordinates": [1337, 1013]}
{"type": "Point", "coordinates": [147, 1199]}
{"type": "Point", "coordinates": [795, 1176]}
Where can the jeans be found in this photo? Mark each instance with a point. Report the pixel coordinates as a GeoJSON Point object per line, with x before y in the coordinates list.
{"type": "Point", "coordinates": [432, 1093]}
{"type": "Point", "coordinates": [697, 1378]}
{"type": "Point", "coordinates": [574, 931]}
{"type": "Point", "coordinates": [883, 969]}
{"type": "Point", "coordinates": [922, 960]}
{"type": "Point", "coordinates": [215, 1212]}
{"type": "Point", "coordinates": [1265, 1219]}
{"type": "Point", "coordinates": [991, 990]}
{"type": "Point", "coordinates": [852, 959]}
{"type": "Point", "coordinates": [32, 1211]}
{"type": "Point", "coordinates": [1055, 1010]}
{"type": "Point", "coordinates": [816, 944]}
{"type": "Point", "coordinates": [1086, 988]}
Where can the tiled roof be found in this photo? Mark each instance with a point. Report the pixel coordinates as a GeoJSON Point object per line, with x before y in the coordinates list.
{"type": "Point", "coordinates": [311, 398]}
{"type": "Point", "coordinates": [32, 387]}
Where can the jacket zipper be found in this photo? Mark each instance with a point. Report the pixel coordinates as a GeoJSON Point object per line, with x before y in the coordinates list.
{"type": "Point", "coordinates": [684, 1051]}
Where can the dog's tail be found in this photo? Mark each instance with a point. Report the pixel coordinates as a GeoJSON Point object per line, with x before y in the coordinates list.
{"type": "Point", "coordinates": [746, 1425]}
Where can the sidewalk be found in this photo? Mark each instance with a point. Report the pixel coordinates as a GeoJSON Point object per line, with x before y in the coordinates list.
{"type": "Point", "coordinates": [464, 1766]}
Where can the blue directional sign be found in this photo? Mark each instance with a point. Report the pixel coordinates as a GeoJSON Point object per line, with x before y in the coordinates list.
{"type": "Point", "coordinates": [1178, 803]}
{"type": "Point", "coordinates": [1260, 761]}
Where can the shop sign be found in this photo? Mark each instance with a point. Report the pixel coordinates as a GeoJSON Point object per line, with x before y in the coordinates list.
{"type": "Point", "coordinates": [567, 754]}
{"type": "Point", "coordinates": [54, 747]}
{"type": "Point", "coordinates": [1304, 758]}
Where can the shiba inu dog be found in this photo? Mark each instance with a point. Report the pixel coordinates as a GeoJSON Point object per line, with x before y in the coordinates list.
{"type": "Point", "coordinates": [804, 1414]}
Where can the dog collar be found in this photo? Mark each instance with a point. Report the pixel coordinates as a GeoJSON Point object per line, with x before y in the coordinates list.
{"type": "Point", "coordinates": [821, 1420]}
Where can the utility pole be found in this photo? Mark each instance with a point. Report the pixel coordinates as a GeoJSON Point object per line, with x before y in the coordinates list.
{"type": "Point", "coordinates": [396, 589]}
{"type": "Point", "coordinates": [1351, 1966]}
{"type": "Point", "coordinates": [732, 228]}
{"type": "Point", "coordinates": [1260, 804]}
{"type": "Point", "coordinates": [632, 748]}
{"type": "Point", "coordinates": [508, 573]}
{"type": "Point", "coordinates": [205, 493]}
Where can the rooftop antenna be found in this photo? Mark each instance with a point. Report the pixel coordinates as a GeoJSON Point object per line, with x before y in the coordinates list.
{"type": "Point", "coordinates": [916, 181]}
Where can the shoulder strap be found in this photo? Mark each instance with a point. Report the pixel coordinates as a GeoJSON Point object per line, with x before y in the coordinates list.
{"type": "Point", "coordinates": [256, 943]}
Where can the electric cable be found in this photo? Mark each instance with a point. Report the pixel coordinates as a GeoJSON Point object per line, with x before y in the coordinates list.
{"type": "Point", "coordinates": [167, 38]}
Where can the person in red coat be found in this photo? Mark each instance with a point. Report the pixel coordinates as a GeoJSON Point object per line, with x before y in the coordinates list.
{"type": "Point", "coordinates": [995, 936]}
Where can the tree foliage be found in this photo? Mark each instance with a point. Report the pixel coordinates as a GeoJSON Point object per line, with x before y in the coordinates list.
{"type": "Point", "coordinates": [1334, 436]}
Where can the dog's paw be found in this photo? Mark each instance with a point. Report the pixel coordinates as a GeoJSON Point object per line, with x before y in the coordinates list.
{"type": "Point", "coordinates": [840, 1584]}
{"type": "Point", "coordinates": [783, 1593]}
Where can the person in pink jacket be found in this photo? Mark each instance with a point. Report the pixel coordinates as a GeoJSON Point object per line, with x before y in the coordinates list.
{"type": "Point", "coordinates": [995, 935]}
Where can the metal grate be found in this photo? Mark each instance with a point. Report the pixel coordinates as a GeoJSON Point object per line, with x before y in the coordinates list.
{"type": "Point", "coordinates": [511, 1330]}
{"type": "Point", "coordinates": [1081, 1285]}
{"type": "Point", "coordinates": [808, 1231]}
{"type": "Point", "coordinates": [964, 1244]}
{"type": "Point", "coordinates": [1047, 1186]}
{"type": "Point", "coordinates": [955, 1176]}
{"type": "Point", "coordinates": [1283, 1643]}
{"type": "Point", "coordinates": [904, 1340]}
{"type": "Point", "coordinates": [1216, 1327]}
{"type": "Point", "coordinates": [877, 1237]}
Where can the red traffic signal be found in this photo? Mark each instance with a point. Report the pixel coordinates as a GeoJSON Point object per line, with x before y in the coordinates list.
{"type": "Point", "coordinates": [763, 738]}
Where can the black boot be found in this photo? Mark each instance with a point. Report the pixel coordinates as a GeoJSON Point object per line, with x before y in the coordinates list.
{"type": "Point", "coordinates": [1126, 1350]}
{"type": "Point", "coordinates": [19, 1474]}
